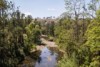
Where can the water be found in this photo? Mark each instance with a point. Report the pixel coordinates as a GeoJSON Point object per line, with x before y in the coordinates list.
{"type": "Point", "coordinates": [47, 58]}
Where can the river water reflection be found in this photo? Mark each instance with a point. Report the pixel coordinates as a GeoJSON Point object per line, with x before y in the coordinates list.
{"type": "Point", "coordinates": [47, 58]}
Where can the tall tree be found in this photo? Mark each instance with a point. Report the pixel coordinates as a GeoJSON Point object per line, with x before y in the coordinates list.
{"type": "Point", "coordinates": [74, 8]}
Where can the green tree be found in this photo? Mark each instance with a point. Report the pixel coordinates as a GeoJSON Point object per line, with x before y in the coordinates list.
{"type": "Point", "coordinates": [93, 37]}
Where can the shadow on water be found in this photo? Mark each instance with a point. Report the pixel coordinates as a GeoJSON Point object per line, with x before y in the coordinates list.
{"type": "Point", "coordinates": [46, 58]}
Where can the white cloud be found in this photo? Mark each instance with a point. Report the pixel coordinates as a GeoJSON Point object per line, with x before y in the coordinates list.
{"type": "Point", "coordinates": [27, 13]}
{"type": "Point", "coordinates": [51, 9]}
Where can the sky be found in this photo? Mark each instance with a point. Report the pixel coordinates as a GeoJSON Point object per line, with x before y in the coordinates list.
{"type": "Point", "coordinates": [41, 8]}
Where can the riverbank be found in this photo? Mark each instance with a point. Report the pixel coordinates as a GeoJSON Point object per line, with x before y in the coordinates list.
{"type": "Point", "coordinates": [35, 53]}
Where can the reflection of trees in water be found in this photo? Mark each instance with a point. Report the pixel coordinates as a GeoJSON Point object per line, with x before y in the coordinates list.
{"type": "Point", "coordinates": [39, 60]}
{"type": "Point", "coordinates": [47, 58]}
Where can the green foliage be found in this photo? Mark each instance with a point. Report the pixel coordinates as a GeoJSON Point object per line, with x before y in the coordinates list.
{"type": "Point", "coordinates": [77, 36]}
{"type": "Point", "coordinates": [63, 33]}
{"type": "Point", "coordinates": [65, 40]}
{"type": "Point", "coordinates": [68, 62]}
{"type": "Point", "coordinates": [85, 53]}
{"type": "Point", "coordinates": [17, 35]}
{"type": "Point", "coordinates": [93, 41]}
{"type": "Point", "coordinates": [33, 33]}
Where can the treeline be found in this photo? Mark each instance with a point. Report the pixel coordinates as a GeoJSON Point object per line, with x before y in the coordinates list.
{"type": "Point", "coordinates": [78, 34]}
{"type": "Point", "coordinates": [18, 34]}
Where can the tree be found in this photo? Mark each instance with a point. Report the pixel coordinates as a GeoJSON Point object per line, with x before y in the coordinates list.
{"type": "Point", "coordinates": [94, 5]}
{"type": "Point", "coordinates": [12, 30]}
{"type": "Point", "coordinates": [93, 40]}
{"type": "Point", "coordinates": [73, 8]}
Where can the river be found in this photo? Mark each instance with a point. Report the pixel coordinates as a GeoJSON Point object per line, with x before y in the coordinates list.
{"type": "Point", "coordinates": [47, 56]}
{"type": "Point", "coordinates": [46, 59]}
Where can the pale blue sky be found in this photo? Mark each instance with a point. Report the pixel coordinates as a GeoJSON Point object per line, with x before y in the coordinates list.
{"type": "Point", "coordinates": [41, 8]}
